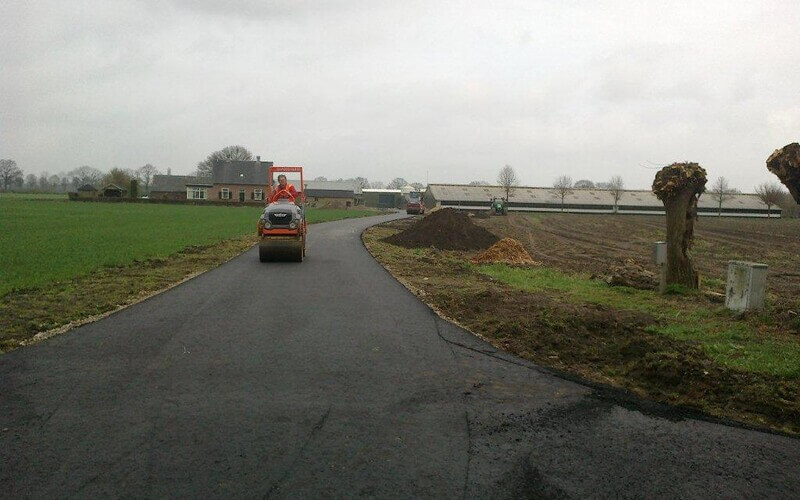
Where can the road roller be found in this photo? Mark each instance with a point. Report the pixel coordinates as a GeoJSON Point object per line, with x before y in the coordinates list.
{"type": "Point", "coordinates": [282, 224]}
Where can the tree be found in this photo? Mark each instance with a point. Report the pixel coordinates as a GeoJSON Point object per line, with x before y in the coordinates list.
{"type": "Point", "coordinates": [584, 184]}
{"type": "Point", "coordinates": [679, 186]}
{"type": "Point", "coordinates": [54, 181]}
{"type": "Point", "coordinates": [478, 183]}
{"type": "Point", "coordinates": [397, 183]}
{"type": "Point", "coordinates": [86, 175]}
{"type": "Point", "coordinates": [360, 182]}
{"type": "Point", "coordinates": [770, 193]}
{"type": "Point", "coordinates": [507, 179]}
{"type": "Point", "coordinates": [562, 187]}
{"type": "Point", "coordinates": [44, 182]}
{"type": "Point", "coordinates": [146, 174]}
{"type": "Point", "coordinates": [118, 177]}
{"type": "Point", "coordinates": [616, 186]}
{"type": "Point", "coordinates": [205, 168]}
{"type": "Point", "coordinates": [721, 192]}
{"type": "Point", "coordinates": [9, 173]}
{"type": "Point", "coordinates": [30, 182]}
{"type": "Point", "coordinates": [785, 163]}
{"type": "Point", "coordinates": [377, 185]}
{"type": "Point", "coordinates": [417, 185]}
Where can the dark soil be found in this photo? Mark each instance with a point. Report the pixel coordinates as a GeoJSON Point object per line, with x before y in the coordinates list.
{"type": "Point", "coordinates": [445, 229]}
{"type": "Point", "coordinates": [597, 342]}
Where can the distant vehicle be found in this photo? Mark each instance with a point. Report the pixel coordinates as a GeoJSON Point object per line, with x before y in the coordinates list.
{"type": "Point", "coordinates": [499, 206]}
{"type": "Point", "coordinates": [282, 225]}
{"type": "Point", "coordinates": [415, 203]}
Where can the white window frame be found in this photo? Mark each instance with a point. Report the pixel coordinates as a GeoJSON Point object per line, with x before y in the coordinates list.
{"type": "Point", "coordinates": [226, 193]}
{"type": "Point", "coordinates": [196, 193]}
{"type": "Point", "coordinates": [258, 194]}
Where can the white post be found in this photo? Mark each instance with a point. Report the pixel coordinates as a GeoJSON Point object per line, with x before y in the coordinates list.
{"type": "Point", "coordinates": [660, 258]}
{"type": "Point", "coordinates": [747, 284]}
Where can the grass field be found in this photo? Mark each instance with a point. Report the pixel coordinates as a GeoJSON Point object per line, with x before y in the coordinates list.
{"type": "Point", "coordinates": [45, 238]}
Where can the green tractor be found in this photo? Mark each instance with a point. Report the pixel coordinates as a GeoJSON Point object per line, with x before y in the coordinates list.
{"type": "Point", "coordinates": [499, 206]}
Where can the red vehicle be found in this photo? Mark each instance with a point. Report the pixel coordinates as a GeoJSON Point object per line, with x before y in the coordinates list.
{"type": "Point", "coordinates": [415, 204]}
{"type": "Point", "coordinates": [282, 225]}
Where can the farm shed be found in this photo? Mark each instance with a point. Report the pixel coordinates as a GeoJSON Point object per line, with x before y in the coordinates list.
{"type": "Point", "coordinates": [113, 191]}
{"type": "Point", "coordinates": [332, 194]}
{"type": "Point", "coordinates": [383, 198]}
{"type": "Point", "coordinates": [599, 201]}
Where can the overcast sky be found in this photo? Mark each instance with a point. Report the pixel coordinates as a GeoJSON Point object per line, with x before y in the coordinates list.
{"type": "Point", "coordinates": [448, 90]}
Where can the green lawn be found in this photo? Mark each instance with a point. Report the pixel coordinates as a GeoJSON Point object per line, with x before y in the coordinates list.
{"type": "Point", "coordinates": [42, 241]}
{"type": "Point", "coordinates": [723, 337]}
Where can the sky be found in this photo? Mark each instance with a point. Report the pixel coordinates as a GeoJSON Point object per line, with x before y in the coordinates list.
{"type": "Point", "coordinates": [431, 91]}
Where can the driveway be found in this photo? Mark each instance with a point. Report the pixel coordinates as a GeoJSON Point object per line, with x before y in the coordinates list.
{"type": "Point", "coordinates": [328, 378]}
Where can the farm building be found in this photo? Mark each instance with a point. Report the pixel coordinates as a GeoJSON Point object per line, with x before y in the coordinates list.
{"type": "Point", "coordinates": [179, 187]}
{"type": "Point", "coordinates": [383, 198]}
{"type": "Point", "coordinates": [332, 194]}
{"type": "Point", "coordinates": [539, 199]}
{"type": "Point", "coordinates": [113, 191]}
{"type": "Point", "coordinates": [87, 191]}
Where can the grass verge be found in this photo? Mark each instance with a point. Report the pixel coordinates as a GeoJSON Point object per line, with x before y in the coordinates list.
{"type": "Point", "coordinates": [674, 349]}
{"type": "Point", "coordinates": [110, 276]}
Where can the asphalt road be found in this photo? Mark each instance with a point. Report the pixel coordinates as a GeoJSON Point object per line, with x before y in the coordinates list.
{"type": "Point", "coordinates": [328, 378]}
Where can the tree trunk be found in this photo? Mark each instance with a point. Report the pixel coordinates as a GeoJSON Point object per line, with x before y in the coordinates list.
{"type": "Point", "coordinates": [681, 213]}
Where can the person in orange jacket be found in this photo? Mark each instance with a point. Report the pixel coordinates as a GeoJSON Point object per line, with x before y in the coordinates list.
{"type": "Point", "coordinates": [282, 189]}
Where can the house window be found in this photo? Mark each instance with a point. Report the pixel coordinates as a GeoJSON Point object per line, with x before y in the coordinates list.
{"type": "Point", "coordinates": [258, 194]}
{"type": "Point", "coordinates": [225, 194]}
{"type": "Point", "coordinates": [196, 193]}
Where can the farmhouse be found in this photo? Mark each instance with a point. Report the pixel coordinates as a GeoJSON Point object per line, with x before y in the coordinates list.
{"type": "Point", "coordinates": [237, 181]}
{"type": "Point", "coordinates": [541, 199]}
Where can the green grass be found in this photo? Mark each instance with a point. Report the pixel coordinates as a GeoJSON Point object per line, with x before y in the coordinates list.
{"type": "Point", "coordinates": [723, 337]}
{"type": "Point", "coordinates": [46, 241]}
{"type": "Point", "coordinates": [34, 196]}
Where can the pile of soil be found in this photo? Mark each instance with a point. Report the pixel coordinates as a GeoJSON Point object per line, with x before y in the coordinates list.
{"type": "Point", "coordinates": [446, 229]}
{"type": "Point", "coordinates": [505, 251]}
{"type": "Point", "coordinates": [630, 274]}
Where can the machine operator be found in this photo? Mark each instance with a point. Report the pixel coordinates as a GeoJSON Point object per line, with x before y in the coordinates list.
{"type": "Point", "coordinates": [281, 189]}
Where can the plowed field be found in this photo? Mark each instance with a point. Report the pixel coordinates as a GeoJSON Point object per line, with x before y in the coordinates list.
{"type": "Point", "coordinates": [594, 243]}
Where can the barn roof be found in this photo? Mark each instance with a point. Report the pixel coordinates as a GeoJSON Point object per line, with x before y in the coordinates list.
{"type": "Point", "coordinates": [177, 183]}
{"type": "Point", "coordinates": [578, 196]}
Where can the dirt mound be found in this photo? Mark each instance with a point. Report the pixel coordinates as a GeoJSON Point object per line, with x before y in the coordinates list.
{"type": "Point", "coordinates": [505, 251]}
{"type": "Point", "coordinates": [445, 229]}
{"type": "Point", "coordinates": [630, 274]}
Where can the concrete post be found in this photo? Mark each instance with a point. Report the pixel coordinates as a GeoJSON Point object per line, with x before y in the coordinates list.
{"type": "Point", "coordinates": [747, 283]}
{"type": "Point", "coordinates": [660, 258]}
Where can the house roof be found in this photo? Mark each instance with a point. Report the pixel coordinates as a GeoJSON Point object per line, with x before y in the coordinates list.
{"type": "Point", "coordinates": [395, 191]}
{"type": "Point", "coordinates": [177, 183]}
{"type": "Point", "coordinates": [241, 172]}
{"type": "Point", "coordinates": [579, 196]}
{"type": "Point", "coordinates": [113, 186]}
{"type": "Point", "coordinates": [87, 187]}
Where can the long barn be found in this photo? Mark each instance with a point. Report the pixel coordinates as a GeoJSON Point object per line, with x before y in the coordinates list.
{"type": "Point", "coordinates": [597, 201]}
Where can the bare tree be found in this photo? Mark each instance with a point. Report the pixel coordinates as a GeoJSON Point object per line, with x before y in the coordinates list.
{"type": "Point", "coordinates": [771, 193]}
{"type": "Point", "coordinates": [679, 186]}
{"type": "Point", "coordinates": [361, 182]}
{"type": "Point", "coordinates": [721, 192]}
{"type": "Point", "coordinates": [785, 163]}
{"type": "Point", "coordinates": [417, 185]}
{"type": "Point", "coordinates": [9, 173]}
{"type": "Point", "coordinates": [584, 184]}
{"type": "Point", "coordinates": [616, 186]}
{"type": "Point", "coordinates": [397, 183]}
{"type": "Point", "coordinates": [478, 183]}
{"type": "Point", "coordinates": [86, 175]}
{"type": "Point", "coordinates": [205, 168]}
{"type": "Point", "coordinates": [562, 187]}
{"type": "Point", "coordinates": [377, 185]}
{"type": "Point", "coordinates": [507, 179]}
{"type": "Point", "coordinates": [30, 182]}
{"type": "Point", "coordinates": [118, 177]}
{"type": "Point", "coordinates": [44, 183]}
{"type": "Point", "coordinates": [146, 174]}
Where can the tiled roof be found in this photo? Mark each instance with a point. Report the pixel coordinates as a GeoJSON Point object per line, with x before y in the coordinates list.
{"type": "Point", "coordinates": [320, 186]}
{"type": "Point", "coordinates": [177, 183]}
{"type": "Point", "coordinates": [242, 172]}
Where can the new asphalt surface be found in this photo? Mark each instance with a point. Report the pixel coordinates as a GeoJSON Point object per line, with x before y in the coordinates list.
{"type": "Point", "coordinates": [328, 378]}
